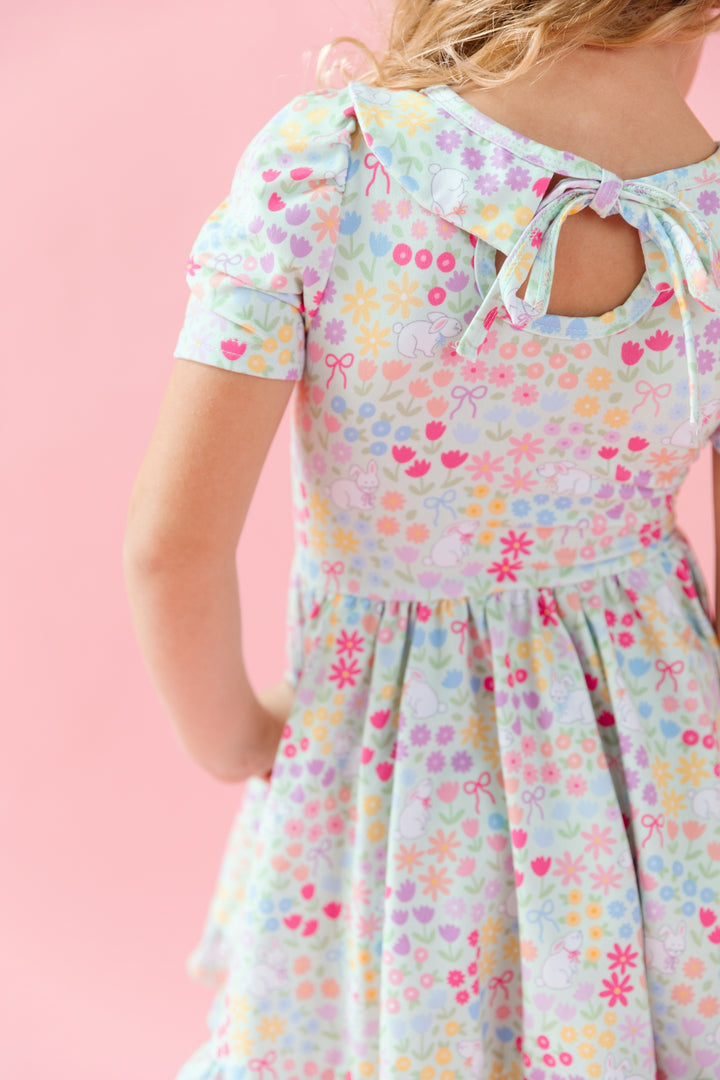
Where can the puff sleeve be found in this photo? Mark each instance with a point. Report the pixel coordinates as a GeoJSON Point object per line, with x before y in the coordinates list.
{"type": "Point", "coordinates": [260, 263]}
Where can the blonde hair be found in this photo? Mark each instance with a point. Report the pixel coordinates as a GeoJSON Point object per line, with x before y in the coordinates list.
{"type": "Point", "coordinates": [490, 42]}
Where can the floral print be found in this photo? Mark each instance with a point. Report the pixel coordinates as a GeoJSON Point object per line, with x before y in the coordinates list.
{"type": "Point", "coordinates": [490, 844]}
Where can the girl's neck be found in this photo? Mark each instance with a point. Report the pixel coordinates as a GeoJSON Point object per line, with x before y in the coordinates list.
{"type": "Point", "coordinates": [624, 109]}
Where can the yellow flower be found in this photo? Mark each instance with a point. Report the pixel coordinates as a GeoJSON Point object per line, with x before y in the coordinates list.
{"type": "Point", "coordinates": [372, 340]}
{"type": "Point", "coordinates": [661, 772]}
{"type": "Point", "coordinates": [373, 114]}
{"type": "Point", "coordinates": [616, 418]}
{"type": "Point", "coordinates": [691, 769]}
{"type": "Point", "coordinates": [599, 378]}
{"type": "Point", "coordinates": [400, 296]}
{"type": "Point", "coordinates": [347, 541]}
{"type": "Point", "coordinates": [586, 406]}
{"type": "Point", "coordinates": [360, 302]}
{"type": "Point", "coordinates": [672, 802]}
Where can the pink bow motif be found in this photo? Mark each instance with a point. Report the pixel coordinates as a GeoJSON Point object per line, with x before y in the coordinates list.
{"type": "Point", "coordinates": [474, 787]}
{"type": "Point", "coordinates": [341, 362]}
{"type": "Point", "coordinates": [651, 823]}
{"type": "Point", "coordinates": [459, 627]}
{"type": "Point", "coordinates": [259, 1065]}
{"type": "Point", "coordinates": [500, 982]}
{"type": "Point", "coordinates": [333, 570]}
{"type": "Point", "coordinates": [371, 162]}
{"type": "Point", "coordinates": [647, 390]}
{"type": "Point", "coordinates": [676, 668]}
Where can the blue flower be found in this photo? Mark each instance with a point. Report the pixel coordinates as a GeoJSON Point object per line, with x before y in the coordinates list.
{"type": "Point", "coordinates": [403, 432]}
{"type": "Point", "coordinates": [378, 448]}
{"type": "Point", "coordinates": [667, 892]}
{"type": "Point", "coordinates": [564, 502]}
{"type": "Point", "coordinates": [338, 404]}
{"type": "Point", "coordinates": [545, 517]}
{"type": "Point", "coordinates": [540, 500]}
{"type": "Point", "coordinates": [367, 409]}
{"type": "Point", "coordinates": [380, 244]}
{"type": "Point", "coordinates": [616, 908]}
{"type": "Point", "coordinates": [381, 427]}
{"type": "Point", "coordinates": [351, 434]}
{"type": "Point", "coordinates": [655, 863]}
{"type": "Point", "coordinates": [453, 678]}
{"type": "Point", "coordinates": [689, 887]}
{"type": "Point", "coordinates": [520, 507]}
{"type": "Point", "coordinates": [437, 637]}
{"type": "Point", "coordinates": [349, 223]}
{"type": "Point", "coordinates": [688, 908]}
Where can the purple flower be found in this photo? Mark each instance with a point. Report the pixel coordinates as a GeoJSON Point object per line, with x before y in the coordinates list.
{"type": "Point", "coordinates": [300, 246]}
{"type": "Point", "coordinates": [649, 794]}
{"type": "Point", "coordinates": [406, 891]}
{"type": "Point", "coordinates": [256, 225]}
{"type": "Point", "coordinates": [329, 292]}
{"type": "Point", "coordinates": [631, 778]}
{"type": "Point", "coordinates": [487, 183]}
{"type": "Point", "coordinates": [295, 215]}
{"type": "Point", "coordinates": [448, 932]}
{"type": "Point", "coordinates": [518, 178]}
{"type": "Point", "coordinates": [335, 331]}
{"type": "Point", "coordinates": [457, 281]}
{"type": "Point", "coordinates": [444, 734]}
{"type": "Point", "coordinates": [420, 735]}
{"type": "Point", "coordinates": [501, 156]}
{"type": "Point", "coordinates": [275, 234]}
{"type": "Point", "coordinates": [424, 914]}
{"type": "Point", "coordinates": [472, 158]}
{"type": "Point", "coordinates": [461, 761]}
{"type": "Point", "coordinates": [564, 443]}
{"type": "Point", "coordinates": [310, 276]}
{"type": "Point", "coordinates": [606, 491]}
{"type": "Point", "coordinates": [712, 331]}
{"type": "Point", "coordinates": [641, 756]}
{"type": "Point", "coordinates": [435, 762]}
{"type": "Point", "coordinates": [708, 202]}
{"type": "Point", "coordinates": [448, 140]}
{"type": "Point", "coordinates": [705, 361]}
{"type": "Point", "coordinates": [581, 452]}
{"type": "Point", "coordinates": [399, 917]}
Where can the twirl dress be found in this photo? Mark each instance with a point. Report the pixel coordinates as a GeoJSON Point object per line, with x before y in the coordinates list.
{"type": "Point", "coordinates": [490, 845]}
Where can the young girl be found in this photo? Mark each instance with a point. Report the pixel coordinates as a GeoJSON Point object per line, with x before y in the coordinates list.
{"type": "Point", "coordinates": [480, 836]}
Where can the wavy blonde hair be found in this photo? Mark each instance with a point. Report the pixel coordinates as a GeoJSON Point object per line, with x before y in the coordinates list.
{"type": "Point", "coordinates": [490, 42]}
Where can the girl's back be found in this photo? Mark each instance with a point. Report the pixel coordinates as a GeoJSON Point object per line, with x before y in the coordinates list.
{"type": "Point", "coordinates": [490, 843]}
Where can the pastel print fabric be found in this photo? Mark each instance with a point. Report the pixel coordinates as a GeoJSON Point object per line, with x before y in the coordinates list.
{"type": "Point", "coordinates": [490, 845]}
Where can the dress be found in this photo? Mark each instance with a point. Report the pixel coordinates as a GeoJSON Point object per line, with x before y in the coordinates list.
{"type": "Point", "coordinates": [490, 845]}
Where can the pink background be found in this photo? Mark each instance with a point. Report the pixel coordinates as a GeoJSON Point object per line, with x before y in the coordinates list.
{"type": "Point", "coordinates": [126, 124]}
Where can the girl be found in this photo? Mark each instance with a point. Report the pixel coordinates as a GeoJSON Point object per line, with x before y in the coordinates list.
{"type": "Point", "coordinates": [481, 827]}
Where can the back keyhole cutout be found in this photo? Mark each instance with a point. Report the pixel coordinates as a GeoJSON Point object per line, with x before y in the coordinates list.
{"type": "Point", "coordinates": [599, 262]}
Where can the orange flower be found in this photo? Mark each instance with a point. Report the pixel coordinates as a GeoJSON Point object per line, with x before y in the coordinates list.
{"type": "Point", "coordinates": [388, 526]}
{"type": "Point", "coordinates": [419, 388]}
{"type": "Point", "coordinates": [436, 406]}
{"type": "Point", "coordinates": [566, 556]}
{"type": "Point", "coordinates": [714, 851]}
{"type": "Point", "coordinates": [442, 378]}
{"type": "Point", "coordinates": [395, 369]}
{"type": "Point", "coordinates": [693, 829]}
{"type": "Point", "coordinates": [366, 370]}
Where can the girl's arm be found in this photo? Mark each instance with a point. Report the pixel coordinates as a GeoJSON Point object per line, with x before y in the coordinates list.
{"type": "Point", "coordinates": [186, 514]}
{"type": "Point", "coordinates": [716, 499]}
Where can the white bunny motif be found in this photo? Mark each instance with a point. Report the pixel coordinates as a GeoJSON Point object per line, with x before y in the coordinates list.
{"type": "Point", "coordinates": [662, 952]}
{"type": "Point", "coordinates": [453, 545]}
{"type": "Point", "coordinates": [270, 973]}
{"type": "Point", "coordinates": [572, 702]}
{"type": "Point", "coordinates": [356, 491]}
{"type": "Point", "coordinates": [561, 964]}
{"type": "Point", "coordinates": [424, 335]}
{"type": "Point", "coordinates": [420, 697]}
{"type": "Point", "coordinates": [619, 1071]}
{"type": "Point", "coordinates": [448, 190]}
{"type": "Point", "coordinates": [472, 1051]}
{"type": "Point", "coordinates": [706, 803]}
{"type": "Point", "coordinates": [413, 819]}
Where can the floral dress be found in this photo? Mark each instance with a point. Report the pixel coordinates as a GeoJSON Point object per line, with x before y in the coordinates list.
{"type": "Point", "coordinates": [490, 844]}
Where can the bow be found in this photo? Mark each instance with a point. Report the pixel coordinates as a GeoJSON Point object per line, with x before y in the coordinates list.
{"type": "Point", "coordinates": [467, 393]}
{"type": "Point", "coordinates": [336, 362]}
{"type": "Point", "coordinates": [333, 569]}
{"type": "Point", "coordinates": [500, 982]}
{"type": "Point", "coordinates": [261, 1064]}
{"type": "Point", "coordinates": [545, 911]}
{"type": "Point", "coordinates": [434, 502]}
{"type": "Point", "coordinates": [676, 668]}
{"type": "Point", "coordinates": [651, 823]}
{"type": "Point", "coordinates": [474, 787]}
{"type": "Point", "coordinates": [533, 798]}
{"type": "Point", "coordinates": [643, 387]}
{"type": "Point", "coordinates": [687, 243]}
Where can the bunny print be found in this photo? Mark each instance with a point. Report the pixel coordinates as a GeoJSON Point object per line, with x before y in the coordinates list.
{"type": "Point", "coordinates": [356, 492]}
{"type": "Point", "coordinates": [413, 819]}
{"type": "Point", "coordinates": [561, 964]}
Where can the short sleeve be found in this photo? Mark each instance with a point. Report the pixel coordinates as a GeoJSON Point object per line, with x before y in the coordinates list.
{"type": "Point", "coordinates": [260, 263]}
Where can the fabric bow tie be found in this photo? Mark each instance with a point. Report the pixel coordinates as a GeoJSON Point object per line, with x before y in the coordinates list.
{"type": "Point", "coordinates": [692, 257]}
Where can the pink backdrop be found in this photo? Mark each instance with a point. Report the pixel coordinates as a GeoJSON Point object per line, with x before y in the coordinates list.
{"type": "Point", "coordinates": [126, 124]}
